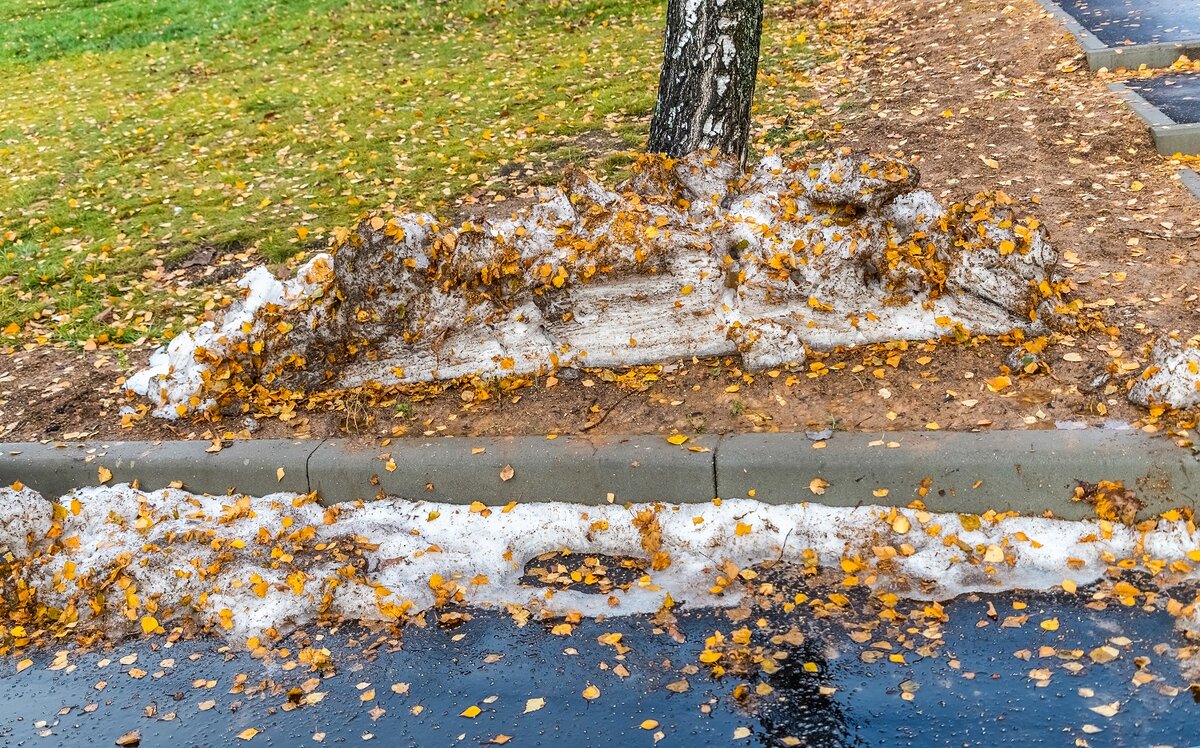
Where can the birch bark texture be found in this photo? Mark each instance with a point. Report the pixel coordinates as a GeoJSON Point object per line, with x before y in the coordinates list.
{"type": "Point", "coordinates": [710, 61]}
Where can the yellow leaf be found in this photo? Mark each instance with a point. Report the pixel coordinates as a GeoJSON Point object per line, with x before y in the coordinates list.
{"type": "Point", "coordinates": [742, 529]}
{"type": "Point", "coordinates": [998, 383]}
{"type": "Point", "coordinates": [591, 692]}
{"type": "Point", "coordinates": [818, 486]}
{"type": "Point", "coordinates": [248, 733]}
{"type": "Point", "coordinates": [1050, 624]}
{"type": "Point", "coordinates": [532, 705]}
{"type": "Point", "coordinates": [677, 439]}
{"type": "Point", "coordinates": [649, 724]}
{"type": "Point", "coordinates": [12, 329]}
{"type": "Point", "coordinates": [104, 474]}
{"type": "Point", "coordinates": [279, 474]}
{"type": "Point", "coordinates": [23, 664]}
{"type": "Point", "coordinates": [471, 712]}
{"type": "Point", "coordinates": [149, 624]}
{"type": "Point", "coordinates": [1136, 186]}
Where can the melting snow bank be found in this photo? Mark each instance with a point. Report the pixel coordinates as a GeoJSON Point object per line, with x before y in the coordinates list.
{"type": "Point", "coordinates": [177, 372]}
{"type": "Point", "coordinates": [1173, 377]}
{"type": "Point", "coordinates": [692, 257]}
{"type": "Point", "coordinates": [111, 557]}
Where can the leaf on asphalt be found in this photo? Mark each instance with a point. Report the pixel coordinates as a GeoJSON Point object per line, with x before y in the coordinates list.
{"type": "Point", "coordinates": [1107, 710]}
{"type": "Point", "coordinates": [532, 705]}
{"type": "Point", "coordinates": [679, 686]}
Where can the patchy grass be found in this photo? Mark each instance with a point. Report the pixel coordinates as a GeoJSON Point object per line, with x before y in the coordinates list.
{"type": "Point", "coordinates": [146, 143]}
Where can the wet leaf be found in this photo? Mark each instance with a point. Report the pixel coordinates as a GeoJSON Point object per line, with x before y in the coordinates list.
{"type": "Point", "coordinates": [532, 705]}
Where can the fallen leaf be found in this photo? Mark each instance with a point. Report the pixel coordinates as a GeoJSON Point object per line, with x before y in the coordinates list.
{"type": "Point", "coordinates": [1107, 710]}
{"type": "Point", "coordinates": [532, 705]}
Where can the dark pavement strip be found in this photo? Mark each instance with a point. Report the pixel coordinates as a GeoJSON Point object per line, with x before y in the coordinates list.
{"type": "Point", "coordinates": [1122, 22]}
{"type": "Point", "coordinates": [973, 691]}
{"type": "Point", "coordinates": [1176, 95]}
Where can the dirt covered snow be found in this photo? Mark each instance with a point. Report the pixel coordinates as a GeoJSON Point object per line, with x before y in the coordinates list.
{"type": "Point", "coordinates": [691, 257]}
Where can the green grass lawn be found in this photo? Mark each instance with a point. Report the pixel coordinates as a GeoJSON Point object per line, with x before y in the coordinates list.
{"type": "Point", "coordinates": [136, 133]}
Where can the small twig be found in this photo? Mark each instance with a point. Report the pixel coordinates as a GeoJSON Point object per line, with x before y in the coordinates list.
{"type": "Point", "coordinates": [1156, 235]}
{"type": "Point", "coordinates": [593, 424]}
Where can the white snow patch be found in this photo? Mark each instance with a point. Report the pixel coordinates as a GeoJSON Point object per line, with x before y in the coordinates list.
{"type": "Point", "coordinates": [1175, 380]}
{"type": "Point", "coordinates": [232, 562]}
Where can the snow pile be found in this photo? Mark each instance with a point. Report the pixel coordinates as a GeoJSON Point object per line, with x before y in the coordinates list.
{"type": "Point", "coordinates": [179, 372]}
{"type": "Point", "coordinates": [691, 257]}
{"type": "Point", "coordinates": [1173, 377]}
{"type": "Point", "coordinates": [247, 566]}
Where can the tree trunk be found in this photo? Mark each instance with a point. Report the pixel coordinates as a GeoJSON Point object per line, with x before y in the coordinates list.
{"type": "Point", "coordinates": [710, 61]}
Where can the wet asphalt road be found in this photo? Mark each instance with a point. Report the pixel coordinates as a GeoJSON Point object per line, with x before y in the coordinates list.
{"type": "Point", "coordinates": [1177, 96]}
{"type": "Point", "coordinates": [976, 690]}
{"type": "Point", "coordinates": [1121, 22]}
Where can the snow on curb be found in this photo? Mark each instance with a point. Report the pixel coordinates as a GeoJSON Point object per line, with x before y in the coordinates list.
{"type": "Point", "coordinates": [691, 257]}
{"type": "Point", "coordinates": [247, 566]}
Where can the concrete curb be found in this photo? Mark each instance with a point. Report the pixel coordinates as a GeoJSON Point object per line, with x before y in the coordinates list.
{"type": "Point", "coordinates": [249, 467]}
{"type": "Point", "coordinates": [1191, 180]}
{"type": "Point", "coordinates": [1031, 472]}
{"type": "Point", "coordinates": [461, 470]}
{"type": "Point", "coordinates": [1169, 136]}
{"type": "Point", "coordinates": [1101, 56]}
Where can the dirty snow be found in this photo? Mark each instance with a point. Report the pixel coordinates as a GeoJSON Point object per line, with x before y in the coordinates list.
{"type": "Point", "coordinates": [692, 257]}
{"type": "Point", "coordinates": [246, 565]}
{"type": "Point", "coordinates": [1172, 377]}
